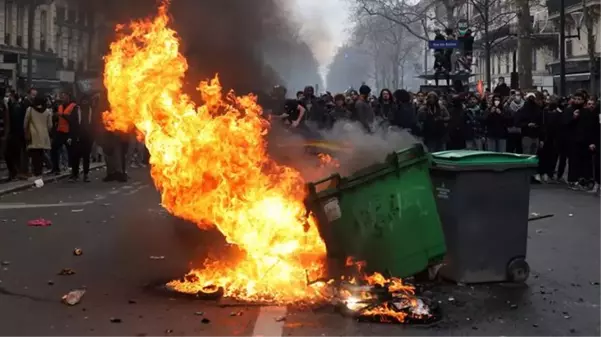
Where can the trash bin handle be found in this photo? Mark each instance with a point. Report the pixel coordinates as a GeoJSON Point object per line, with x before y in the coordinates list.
{"type": "Point", "coordinates": [333, 177]}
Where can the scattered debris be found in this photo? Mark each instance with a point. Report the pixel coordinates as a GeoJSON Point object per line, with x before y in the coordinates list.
{"type": "Point", "coordinates": [451, 299]}
{"type": "Point", "coordinates": [570, 215]}
{"type": "Point", "coordinates": [38, 183]}
{"type": "Point", "coordinates": [77, 251]}
{"type": "Point", "coordinates": [5, 263]}
{"type": "Point", "coordinates": [153, 257]}
{"type": "Point", "coordinates": [77, 210]}
{"type": "Point", "coordinates": [116, 320]}
{"type": "Point", "coordinates": [236, 313]}
{"type": "Point", "coordinates": [169, 331]}
{"type": "Point", "coordinates": [513, 306]}
{"type": "Point", "coordinates": [205, 321]}
{"type": "Point", "coordinates": [594, 283]}
{"type": "Point", "coordinates": [132, 302]}
{"type": "Point", "coordinates": [199, 313]}
{"type": "Point", "coordinates": [474, 328]}
{"type": "Point", "coordinates": [539, 231]}
{"type": "Point", "coordinates": [41, 222]}
{"type": "Point", "coordinates": [534, 214]}
{"type": "Point", "coordinates": [73, 297]}
{"type": "Point", "coordinates": [280, 318]}
{"type": "Point", "coordinates": [50, 282]}
{"type": "Point", "coordinates": [66, 271]}
{"type": "Point", "coordinates": [535, 325]}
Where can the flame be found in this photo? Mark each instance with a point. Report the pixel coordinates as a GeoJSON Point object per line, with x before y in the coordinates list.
{"type": "Point", "coordinates": [210, 165]}
{"type": "Point", "coordinates": [327, 161]}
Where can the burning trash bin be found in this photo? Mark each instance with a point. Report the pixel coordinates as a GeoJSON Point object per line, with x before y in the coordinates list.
{"type": "Point", "coordinates": [483, 200]}
{"type": "Point", "coordinates": [384, 215]}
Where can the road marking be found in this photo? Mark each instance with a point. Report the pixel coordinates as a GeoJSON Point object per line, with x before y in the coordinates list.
{"type": "Point", "coordinates": [24, 206]}
{"type": "Point", "coordinates": [135, 191]}
{"type": "Point", "coordinates": [267, 324]}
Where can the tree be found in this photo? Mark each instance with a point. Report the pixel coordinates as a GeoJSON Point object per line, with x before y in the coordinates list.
{"type": "Point", "coordinates": [491, 22]}
{"type": "Point", "coordinates": [386, 48]}
{"type": "Point", "coordinates": [524, 44]}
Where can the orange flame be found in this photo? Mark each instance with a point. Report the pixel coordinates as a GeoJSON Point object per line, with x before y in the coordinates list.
{"type": "Point", "coordinates": [210, 164]}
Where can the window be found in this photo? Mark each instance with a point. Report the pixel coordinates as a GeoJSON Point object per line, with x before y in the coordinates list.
{"type": "Point", "coordinates": [71, 16]}
{"type": "Point", "coordinates": [60, 14]}
{"type": "Point", "coordinates": [8, 22]}
{"type": "Point", "coordinates": [507, 63]}
{"type": "Point", "coordinates": [498, 64]}
{"type": "Point", "coordinates": [43, 29]}
{"type": "Point", "coordinates": [21, 13]}
{"type": "Point", "coordinates": [569, 48]}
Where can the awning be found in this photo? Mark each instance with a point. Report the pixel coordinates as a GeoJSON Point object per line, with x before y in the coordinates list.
{"type": "Point", "coordinates": [575, 77]}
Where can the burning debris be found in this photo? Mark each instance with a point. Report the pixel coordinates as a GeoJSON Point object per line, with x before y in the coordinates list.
{"type": "Point", "coordinates": [225, 178]}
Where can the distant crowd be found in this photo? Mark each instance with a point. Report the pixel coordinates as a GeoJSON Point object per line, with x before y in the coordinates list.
{"type": "Point", "coordinates": [563, 132]}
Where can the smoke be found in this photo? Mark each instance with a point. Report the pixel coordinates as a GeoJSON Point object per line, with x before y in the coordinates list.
{"type": "Point", "coordinates": [347, 143]}
{"type": "Point", "coordinates": [226, 37]}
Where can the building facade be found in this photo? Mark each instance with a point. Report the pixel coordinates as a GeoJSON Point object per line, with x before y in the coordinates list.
{"type": "Point", "coordinates": [578, 61]}
{"type": "Point", "coordinates": [67, 44]}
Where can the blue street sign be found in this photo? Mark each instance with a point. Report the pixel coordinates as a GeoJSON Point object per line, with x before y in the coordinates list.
{"type": "Point", "coordinates": [443, 44]}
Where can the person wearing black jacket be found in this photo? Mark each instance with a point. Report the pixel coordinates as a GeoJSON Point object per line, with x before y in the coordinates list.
{"type": "Point", "coordinates": [432, 118]}
{"type": "Point", "coordinates": [385, 108]}
{"type": "Point", "coordinates": [529, 119]}
{"type": "Point", "coordinates": [549, 154]}
{"type": "Point", "coordinates": [577, 121]}
{"type": "Point", "coordinates": [84, 131]}
{"type": "Point", "coordinates": [497, 121]}
{"type": "Point", "coordinates": [502, 89]}
{"type": "Point", "coordinates": [404, 115]}
{"type": "Point", "coordinates": [595, 107]}
{"type": "Point", "coordinates": [457, 125]}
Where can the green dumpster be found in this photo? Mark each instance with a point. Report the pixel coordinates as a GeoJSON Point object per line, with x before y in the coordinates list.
{"type": "Point", "coordinates": [483, 200]}
{"type": "Point", "coordinates": [384, 215]}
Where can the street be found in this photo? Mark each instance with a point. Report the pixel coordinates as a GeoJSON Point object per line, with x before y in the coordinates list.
{"type": "Point", "coordinates": [130, 245]}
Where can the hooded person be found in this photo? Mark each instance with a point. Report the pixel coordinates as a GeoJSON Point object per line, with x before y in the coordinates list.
{"type": "Point", "coordinates": [514, 133]}
{"type": "Point", "coordinates": [529, 120]}
{"type": "Point", "coordinates": [457, 124]}
{"type": "Point", "coordinates": [363, 110]}
{"type": "Point", "coordinates": [37, 125]}
{"type": "Point", "coordinates": [432, 118]}
{"type": "Point", "coordinates": [405, 115]}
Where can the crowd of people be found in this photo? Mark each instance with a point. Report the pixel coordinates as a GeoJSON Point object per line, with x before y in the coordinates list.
{"type": "Point", "coordinates": [563, 132]}
{"type": "Point", "coordinates": [50, 135]}
{"type": "Point", "coordinates": [40, 134]}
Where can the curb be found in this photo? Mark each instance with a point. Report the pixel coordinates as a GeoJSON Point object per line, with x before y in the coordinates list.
{"type": "Point", "coordinates": [47, 179]}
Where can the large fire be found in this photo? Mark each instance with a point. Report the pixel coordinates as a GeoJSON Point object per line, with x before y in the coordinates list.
{"type": "Point", "coordinates": [210, 164]}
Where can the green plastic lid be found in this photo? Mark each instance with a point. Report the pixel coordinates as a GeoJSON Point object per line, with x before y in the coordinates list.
{"type": "Point", "coordinates": [483, 158]}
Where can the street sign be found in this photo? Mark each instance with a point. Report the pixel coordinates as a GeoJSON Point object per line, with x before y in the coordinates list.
{"type": "Point", "coordinates": [443, 44]}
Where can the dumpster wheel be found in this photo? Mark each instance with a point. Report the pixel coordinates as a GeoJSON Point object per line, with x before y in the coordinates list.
{"type": "Point", "coordinates": [518, 270]}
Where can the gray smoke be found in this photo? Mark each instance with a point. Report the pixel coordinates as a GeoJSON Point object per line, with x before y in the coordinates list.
{"type": "Point", "coordinates": [229, 37]}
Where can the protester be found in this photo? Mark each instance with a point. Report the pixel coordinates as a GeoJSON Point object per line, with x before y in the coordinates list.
{"type": "Point", "coordinates": [364, 112]}
{"type": "Point", "coordinates": [514, 132]}
{"type": "Point", "coordinates": [432, 118]}
{"type": "Point", "coordinates": [475, 118]}
{"type": "Point", "coordinates": [404, 116]}
{"type": "Point", "coordinates": [502, 89]}
{"type": "Point", "coordinates": [67, 115]}
{"type": "Point", "coordinates": [385, 108]}
{"type": "Point", "coordinates": [37, 125]}
{"type": "Point", "coordinates": [497, 122]}
{"type": "Point", "coordinates": [578, 120]}
{"type": "Point", "coordinates": [84, 131]}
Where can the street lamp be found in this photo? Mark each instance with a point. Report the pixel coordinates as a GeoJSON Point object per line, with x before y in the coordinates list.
{"type": "Point", "coordinates": [577, 16]}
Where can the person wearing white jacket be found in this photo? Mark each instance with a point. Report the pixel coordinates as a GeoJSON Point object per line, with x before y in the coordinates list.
{"type": "Point", "coordinates": [38, 122]}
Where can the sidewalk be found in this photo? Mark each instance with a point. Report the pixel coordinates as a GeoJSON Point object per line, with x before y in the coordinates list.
{"type": "Point", "coordinates": [19, 185]}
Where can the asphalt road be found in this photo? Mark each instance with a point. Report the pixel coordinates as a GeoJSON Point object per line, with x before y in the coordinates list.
{"type": "Point", "coordinates": [119, 226]}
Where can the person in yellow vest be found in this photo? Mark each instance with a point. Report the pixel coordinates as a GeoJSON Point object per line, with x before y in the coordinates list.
{"type": "Point", "coordinates": [68, 114]}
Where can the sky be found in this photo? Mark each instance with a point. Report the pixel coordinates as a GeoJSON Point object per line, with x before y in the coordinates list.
{"type": "Point", "coordinates": [324, 27]}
